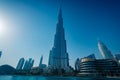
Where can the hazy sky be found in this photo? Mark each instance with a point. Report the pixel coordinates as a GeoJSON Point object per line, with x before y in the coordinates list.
{"type": "Point", "coordinates": [27, 28]}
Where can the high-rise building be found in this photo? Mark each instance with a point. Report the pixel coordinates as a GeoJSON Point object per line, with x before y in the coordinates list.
{"type": "Point", "coordinates": [28, 64]}
{"type": "Point", "coordinates": [58, 57]}
{"type": "Point", "coordinates": [0, 54]}
{"type": "Point", "coordinates": [77, 64]}
{"type": "Point", "coordinates": [20, 64]}
{"type": "Point", "coordinates": [41, 65]}
{"type": "Point", "coordinates": [41, 59]}
{"type": "Point", "coordinates": [105, 52]}
{"type": "Point", "coordinates": [31, 62]}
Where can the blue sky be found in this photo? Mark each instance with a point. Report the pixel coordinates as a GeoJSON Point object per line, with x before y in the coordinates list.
{"type": "Point", "coordinates": [31, 24]}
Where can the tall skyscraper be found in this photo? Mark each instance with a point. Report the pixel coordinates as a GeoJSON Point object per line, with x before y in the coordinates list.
{"type": "Point", "coordinates": [0, 54]}
{"type": "Point", "coordinates": [28, 64]}
{"type": "Point", "coordinates": [20, 64]}
{"type": "Point", "coordinates": [77, 64]}
{"type": "Point", "coordinates": [31, 64]}
{"type": "Point", "coordinates": [41, 59]}
{"type": "Point", "coordinates": [41, 65]}
{"type": "Point", "coordinates": [58, 57]}
{"type": "Point", "coordinates": [105, 52]}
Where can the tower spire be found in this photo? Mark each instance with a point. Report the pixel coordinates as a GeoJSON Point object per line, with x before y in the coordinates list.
{"type": "Point", "coordinates": [60, 19]}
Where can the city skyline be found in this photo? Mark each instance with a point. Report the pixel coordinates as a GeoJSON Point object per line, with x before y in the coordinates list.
{"type": "Point", "coordinates": [32, 26]}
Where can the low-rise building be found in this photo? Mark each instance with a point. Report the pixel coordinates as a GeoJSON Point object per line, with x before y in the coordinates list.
{"type": "Point", "coordinates": [99, 67]}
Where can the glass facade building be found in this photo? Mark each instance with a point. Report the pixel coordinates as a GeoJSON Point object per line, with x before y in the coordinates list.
{"type": "Point", "coordinates": [104, 51]}
{"type": "Point", "coordinates": [58, 57]}
{"type": "Point", "coordinates": [28, 64]}
{"type": "Point", "coordinates": [77, 62]}
{"type": "Point", "coordinates": [41, 65]}
{"type": "Point", "coordinates": [99, 67]}
{"type": "Point", "coordinates": [20, 64]}
{"type": "Point", "coordinates": [0, 54]}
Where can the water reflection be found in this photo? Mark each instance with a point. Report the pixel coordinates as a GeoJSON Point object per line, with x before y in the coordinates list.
{"type": "Point", "coordinates": [59, 78]}
{"type": "Point", "coordinates": [27, 78]}
{"type": "Point", "coordinates": [53, 78]}
{"type": "Point", "coordinates": [73, 78]}
{"type": "Point", "coordinates": [41, 78]}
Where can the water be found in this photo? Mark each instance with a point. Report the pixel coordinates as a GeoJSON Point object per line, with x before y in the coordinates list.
{"type": "Point", "coordinates": [51, 78]}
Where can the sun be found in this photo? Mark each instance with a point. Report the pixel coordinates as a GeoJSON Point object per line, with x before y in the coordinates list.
{"type": "Point", "coordinates": [3, 27]}
{"type": "Point", "coordinates": [8, 28]}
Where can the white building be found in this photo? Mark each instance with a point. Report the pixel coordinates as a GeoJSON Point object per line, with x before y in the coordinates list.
{"type": "Point", "coordinates": [105, 52]}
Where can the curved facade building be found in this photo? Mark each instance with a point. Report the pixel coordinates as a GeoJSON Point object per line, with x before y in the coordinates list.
{"type": "Point", "coordinates": [104, 51]}
{"type": "Point", "coordinates": [99, 67]}
{"type": "Point", "coordinates": [87, 65]}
